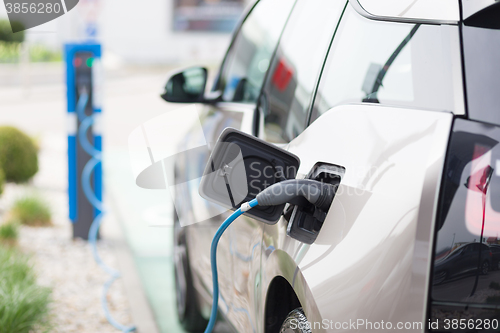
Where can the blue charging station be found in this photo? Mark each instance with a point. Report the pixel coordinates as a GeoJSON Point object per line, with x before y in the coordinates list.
{"type": "Point", "coordinates": [84, 91]}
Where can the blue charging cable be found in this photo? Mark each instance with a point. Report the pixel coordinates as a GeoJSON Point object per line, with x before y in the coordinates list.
{"type": "Point", "coordinates": [96, 158]}
{"type": "Point", "coordinates": [213, 259]}
{"type": "Point", "coordinates": [317, 193]}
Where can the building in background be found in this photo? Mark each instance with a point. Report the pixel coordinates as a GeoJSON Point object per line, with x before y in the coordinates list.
{"type": "Point", "coordinates": [147, 32]}
{"type": "Point", "coordinates": [206, 15]}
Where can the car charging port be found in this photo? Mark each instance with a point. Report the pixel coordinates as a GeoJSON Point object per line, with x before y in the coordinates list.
{"type": "Point", "coordinates": [305, 219]}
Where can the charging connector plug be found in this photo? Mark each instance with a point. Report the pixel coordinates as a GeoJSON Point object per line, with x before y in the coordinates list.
{"type": "Point", "coordinates": [317, 193]}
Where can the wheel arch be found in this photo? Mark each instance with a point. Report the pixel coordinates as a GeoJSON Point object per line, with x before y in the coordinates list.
{"type": "Point", "coordinates": [280, 301]}
{"type": "Point", "coordinates": [284, 289]}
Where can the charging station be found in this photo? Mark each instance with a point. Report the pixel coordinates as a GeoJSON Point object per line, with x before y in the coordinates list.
{"type": "Point", "coordinates": [84, 95]}
{"type": "Point", "coordinates": [83, 77]}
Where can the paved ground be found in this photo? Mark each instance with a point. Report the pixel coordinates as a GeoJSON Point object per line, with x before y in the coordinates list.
{"type": "Point", "coordinates": [132, 97]}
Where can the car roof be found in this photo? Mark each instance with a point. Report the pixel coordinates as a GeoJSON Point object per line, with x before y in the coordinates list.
{"type": "Point", "coordinates": [442, 11]}
{"type": "Point", "coordinates": [423, 11]}
{"type": "Point", "coordinates": [469, 244]}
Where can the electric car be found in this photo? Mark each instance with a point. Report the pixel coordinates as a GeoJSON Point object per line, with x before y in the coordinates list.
{"type": "Point", "coordinates": [463, 261]}
{"type": "Point", "coordinates": [398, 101]}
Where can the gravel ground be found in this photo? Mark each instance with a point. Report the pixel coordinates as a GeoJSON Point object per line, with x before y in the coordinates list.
{"type": "Point", "coordinates": [68, 268]}
{"type": "Point", "coordinates": [64, 264]}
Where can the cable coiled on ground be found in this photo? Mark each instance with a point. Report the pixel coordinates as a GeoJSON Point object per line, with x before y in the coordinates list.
{"type": "Point", "coordinates": [96, 158]}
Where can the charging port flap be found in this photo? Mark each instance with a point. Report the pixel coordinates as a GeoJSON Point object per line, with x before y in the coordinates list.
{"type": "Point", "coordinates": [240, 167]}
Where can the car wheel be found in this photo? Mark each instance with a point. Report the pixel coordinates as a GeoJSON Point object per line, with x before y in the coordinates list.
{"type": "Point", "coordinates": [296, 322]}
{"type": "Point", "coordinates": [485, 267]}
{"type": "Point", "coordinates": [187, 307]}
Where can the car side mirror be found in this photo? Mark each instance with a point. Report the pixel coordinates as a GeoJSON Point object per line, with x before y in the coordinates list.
{"type": "Point", "coordinates": [240, 167]}
{"type": "Point", "coordinates": [187, 86]}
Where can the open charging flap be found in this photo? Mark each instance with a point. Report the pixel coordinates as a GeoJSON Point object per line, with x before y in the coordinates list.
{"type": "Point", "coordinates": [240, 167]}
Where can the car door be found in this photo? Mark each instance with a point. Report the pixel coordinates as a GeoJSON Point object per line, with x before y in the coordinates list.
{"type": "Point", "coordinates": [239, 80]}
{"type": "Point", "coordinates": [382, 113]}
{"type": "Point", "coordinates": [289, 87]}
{"type": "Point", "coordinates": [469, 214]}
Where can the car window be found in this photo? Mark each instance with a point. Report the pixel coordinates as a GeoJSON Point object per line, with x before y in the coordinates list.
{"type": "Point", "coordinates": [482, 71]}
{"type": "Point", "coordinates": [386, 62]}
{"type": "Point", "coordinates": [293, 75]}
{"type": "Point", "coordinates": [248, 59]}
{"type": "Point", "coordinates": [469, 216]}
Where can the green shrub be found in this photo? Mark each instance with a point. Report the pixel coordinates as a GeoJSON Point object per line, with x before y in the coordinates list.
{"type": "Point", "coordinates": [32, 211]}
{"type": "Point", "coordinates": [493, 299]}
{"type": "Point", "coordinates": [9, 231]}
{"type": "Point", "coordinates": [9, 52]}
{"type": "Point", "coordinates": [18, 155]}
{"type": "Point", "coordinates": [23, 304]}
{"type": "Point", "coordinates": [2, 180]}
{"type": "Point", "coordinates": [6, 33]}
{"type": "Point", "coordinates": [495, 285]}
{"type": "Point", "coordinates": [40, 53]}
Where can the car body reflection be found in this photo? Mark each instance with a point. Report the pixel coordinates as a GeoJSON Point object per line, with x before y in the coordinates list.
{"type": "Point", "coordinates": [463, 261]}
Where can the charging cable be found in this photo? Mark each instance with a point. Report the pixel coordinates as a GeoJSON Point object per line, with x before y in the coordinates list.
{"type": "Point", "coordinates": [317, 193]}
{"type": "Point", "coordinates": [213, 259]}
{"type": "Point", "coordinates": [96, 158]}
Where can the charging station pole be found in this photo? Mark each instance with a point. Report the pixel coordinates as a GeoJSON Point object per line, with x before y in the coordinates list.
{"type": "Point", "coordinates": [83, 74]}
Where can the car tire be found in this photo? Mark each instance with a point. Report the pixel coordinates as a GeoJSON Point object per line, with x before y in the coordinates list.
{"type": "Point", "coordinates": [187, 307]}
{"type": "Point", "coordinates": [485, 268]}
{"type": "Point", "coordinates": [296, 322]}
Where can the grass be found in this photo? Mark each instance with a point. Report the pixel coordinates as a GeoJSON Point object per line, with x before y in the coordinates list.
{"type": "Point", "coordinates": [31, 211]}
{"type": "Point", "coordinates": [39, 53]}
{"type": "Point", "coordinates": [11, 53]}
{"type": "Point", "coordinates": [24, 306]}
{"type": "Point", "coordinates": [9, 232]}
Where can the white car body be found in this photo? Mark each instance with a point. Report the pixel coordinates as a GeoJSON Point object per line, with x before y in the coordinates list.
{"type": "Point", "coordinates": [372, 260]}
